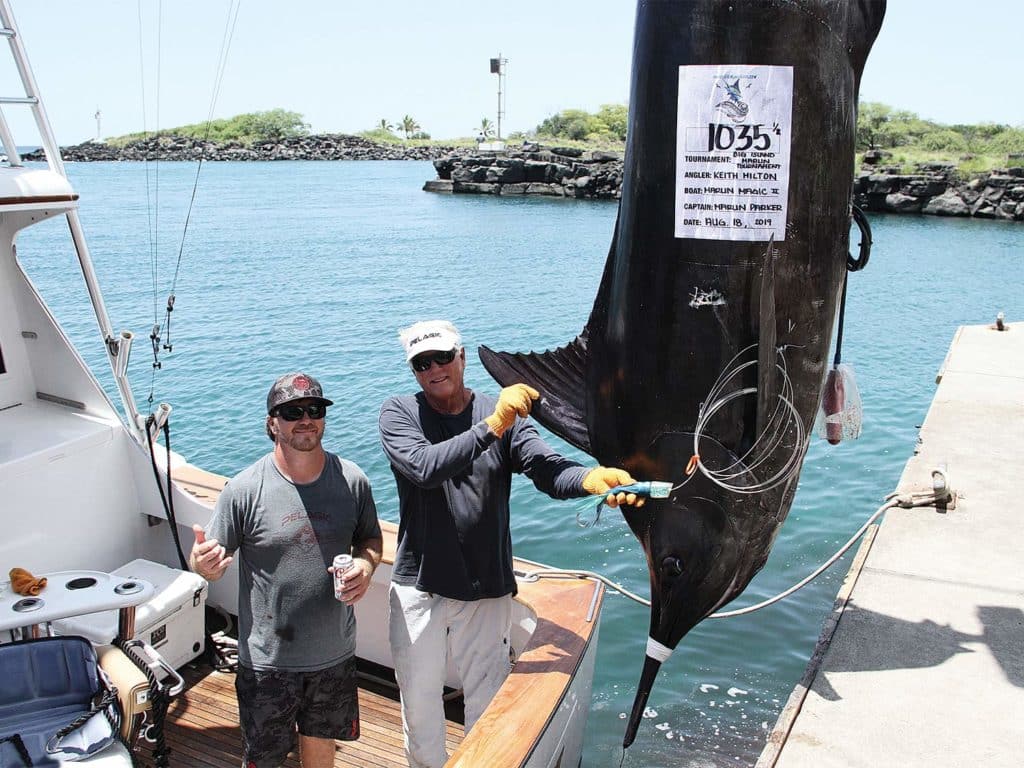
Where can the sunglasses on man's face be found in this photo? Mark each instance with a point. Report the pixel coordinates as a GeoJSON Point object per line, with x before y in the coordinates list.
{"type": "Point", "coordinates": [422, 363]}
{"type": "Point", "coordinates": [315, 411]}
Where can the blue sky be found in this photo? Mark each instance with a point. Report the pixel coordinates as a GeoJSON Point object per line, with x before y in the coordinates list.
{"type": "Point", "coordinates": [345, 64]}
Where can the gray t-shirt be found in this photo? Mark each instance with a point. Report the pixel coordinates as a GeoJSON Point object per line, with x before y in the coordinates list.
{"type": "Point", "coordinates": [285, 535]}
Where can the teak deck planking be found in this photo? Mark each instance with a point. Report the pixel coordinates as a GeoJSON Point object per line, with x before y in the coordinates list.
{"type": "Point", "coordinates": [202, 728]}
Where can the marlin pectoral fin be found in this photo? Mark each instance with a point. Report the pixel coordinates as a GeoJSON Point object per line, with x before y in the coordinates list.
{"type": "Point", "coordinates": [558, 375]}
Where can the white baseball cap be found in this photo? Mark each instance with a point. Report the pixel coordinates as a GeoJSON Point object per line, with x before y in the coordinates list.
{"type": "Point", "coordinates": [429, 336]}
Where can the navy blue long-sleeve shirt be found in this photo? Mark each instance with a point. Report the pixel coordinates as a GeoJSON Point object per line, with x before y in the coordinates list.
{"type": "Point", "coordinates": [454, 478]}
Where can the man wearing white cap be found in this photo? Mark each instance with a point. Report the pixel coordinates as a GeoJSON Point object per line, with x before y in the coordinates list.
{"type": "Point", "coordinates": [453, 452]}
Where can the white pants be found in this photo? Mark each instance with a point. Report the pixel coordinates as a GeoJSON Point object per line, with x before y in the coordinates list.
{"type": "Point", "coordinates": [425, 631]}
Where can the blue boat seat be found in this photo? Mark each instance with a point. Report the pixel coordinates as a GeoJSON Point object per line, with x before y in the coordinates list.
{"type": "Point", "coordinates": [50, 684]}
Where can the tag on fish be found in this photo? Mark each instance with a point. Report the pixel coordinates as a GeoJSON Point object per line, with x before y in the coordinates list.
{"type": "Point", "coordinates": [840, 415]}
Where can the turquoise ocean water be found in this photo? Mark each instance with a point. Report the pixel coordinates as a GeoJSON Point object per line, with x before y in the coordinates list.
{"type": "Point", "coordinates": [315, 266]}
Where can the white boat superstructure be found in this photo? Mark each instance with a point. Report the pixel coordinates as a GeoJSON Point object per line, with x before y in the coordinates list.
{"type": "Point", "coordinates": [78, 493]}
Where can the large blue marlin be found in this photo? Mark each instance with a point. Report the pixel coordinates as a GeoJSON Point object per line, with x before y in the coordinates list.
{"type": "Point", "coordinates": [703, 359]}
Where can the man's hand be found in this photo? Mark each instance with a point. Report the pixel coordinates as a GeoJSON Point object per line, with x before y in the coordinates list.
{"type": "Point", "coordinates": [516, 400]}
{"type": "Point", "coordinates": [208, 558]}
{"type": "Point", "coordinates": [355, 580]}
{"type": "Point", "coordinates": [601, 480]}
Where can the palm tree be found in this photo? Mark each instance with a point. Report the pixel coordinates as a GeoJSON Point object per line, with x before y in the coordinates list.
{"type": "Point", "coordinates": [385, 125]}
{"type": "Point", "coordinates": [409, 126]}
{"type": "Point", "coordinates": [486, 129]}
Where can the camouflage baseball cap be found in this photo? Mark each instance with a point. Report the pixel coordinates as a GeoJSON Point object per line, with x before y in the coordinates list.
{"type": "Point", "coordinates": [295, 386]}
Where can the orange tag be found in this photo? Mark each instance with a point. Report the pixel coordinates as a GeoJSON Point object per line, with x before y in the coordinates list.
{"type": "Point", "coordinates": [692, 466]}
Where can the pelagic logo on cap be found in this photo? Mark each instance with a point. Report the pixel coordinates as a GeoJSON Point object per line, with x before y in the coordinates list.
{"type": "Point", "coordinates": [301, 382]}
{"type": "Point", "coordinates": [424, 337]}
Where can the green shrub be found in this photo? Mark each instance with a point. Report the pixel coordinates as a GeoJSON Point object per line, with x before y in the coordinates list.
{"type": "Point", "coordinates": [272, 125]}
{"type": "Point", "coordinates": [616, 117]}
{"type": "Point", "coordinates": [944, 141]}
{"type": "Point", "coordinates": [573, 124]}
{"type": "Point", "coordinates": [380, 136]}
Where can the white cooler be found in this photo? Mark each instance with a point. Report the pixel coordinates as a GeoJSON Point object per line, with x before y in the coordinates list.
{"type": "Point", "coordinates": [172, 621]}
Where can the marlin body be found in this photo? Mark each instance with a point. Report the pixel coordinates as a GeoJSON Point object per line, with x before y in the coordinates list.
{"type": "Point", "coordinates": [703, 359]}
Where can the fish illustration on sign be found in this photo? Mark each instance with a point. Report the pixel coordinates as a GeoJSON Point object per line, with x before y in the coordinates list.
{"type": "Point", "coordinates": [703, 359]}
{"type": "Point", "coordinates": [734, 106]}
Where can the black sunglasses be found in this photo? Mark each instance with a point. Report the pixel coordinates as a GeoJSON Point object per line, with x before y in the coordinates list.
{"type": "Point", "coordinates": [315, 411]}
{"type": "Point", "coordinates": [422, 363]}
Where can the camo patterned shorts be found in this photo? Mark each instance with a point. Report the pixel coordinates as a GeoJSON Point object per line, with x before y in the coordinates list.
{"type": "Point", "coordinates": [323, 704]}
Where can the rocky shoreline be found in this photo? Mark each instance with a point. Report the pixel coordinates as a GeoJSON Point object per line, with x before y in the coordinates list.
{"type": "Point", "coordinates": [564, 172]}
{"type": "Point", "coordinates": [935, 189]}
{"type": "Point", "coordinates": [327, 146]}
{"type": "Point", "coordinates": [533, 170]}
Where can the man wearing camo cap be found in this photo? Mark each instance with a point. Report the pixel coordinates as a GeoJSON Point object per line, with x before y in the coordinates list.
{"type": "Point", "coordinates": [286, 517]}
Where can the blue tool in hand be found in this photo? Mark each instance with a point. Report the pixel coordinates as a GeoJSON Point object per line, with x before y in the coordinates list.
{"type": "Point", "coordinates": [651, 489]}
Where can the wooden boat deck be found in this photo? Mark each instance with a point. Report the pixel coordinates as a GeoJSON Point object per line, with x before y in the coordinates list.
{"type": "Point", "coordinates": [202, 727]}
{"type": "Point", "coordinates": [567, 609]}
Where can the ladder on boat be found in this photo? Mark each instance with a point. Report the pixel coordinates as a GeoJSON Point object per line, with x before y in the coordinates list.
{"type": "Point", "coordinates": [118, 346]}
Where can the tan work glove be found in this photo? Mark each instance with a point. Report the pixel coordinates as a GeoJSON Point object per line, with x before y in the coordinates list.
{"type": "Point", "coordinates": [516, 400]}
{"type": "Point", "coordinates": [24, 583]}
{"type": "Point", "coordinates": [601, 480]}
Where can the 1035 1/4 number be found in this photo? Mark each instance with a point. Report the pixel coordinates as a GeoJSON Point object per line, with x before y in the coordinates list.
{"type": "Point", "coordinates": [738, 137]}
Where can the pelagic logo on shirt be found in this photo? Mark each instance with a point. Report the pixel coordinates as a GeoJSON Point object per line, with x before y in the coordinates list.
{"type": "Point", "coordinates": [313, 529]}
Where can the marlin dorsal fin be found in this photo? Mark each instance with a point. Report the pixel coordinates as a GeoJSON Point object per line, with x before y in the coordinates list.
{"type": "Point", "coordinates": [559, 376]}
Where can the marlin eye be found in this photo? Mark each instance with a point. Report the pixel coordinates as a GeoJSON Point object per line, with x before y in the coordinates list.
{"type": "Point", "coordinates": [671, 567]}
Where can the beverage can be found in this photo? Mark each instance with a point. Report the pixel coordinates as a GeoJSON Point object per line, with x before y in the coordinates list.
{"type": "Point", "coordinates": [341, 564]}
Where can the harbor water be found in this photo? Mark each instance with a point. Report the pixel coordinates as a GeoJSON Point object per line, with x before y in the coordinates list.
{"type": "Point", "coordinates": [315, 266]}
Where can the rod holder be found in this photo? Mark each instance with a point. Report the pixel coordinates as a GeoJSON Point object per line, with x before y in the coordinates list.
{"type": "Point", "coordinates": [124, 351]}
{"type": "Point", "coordinates": [160, 416]}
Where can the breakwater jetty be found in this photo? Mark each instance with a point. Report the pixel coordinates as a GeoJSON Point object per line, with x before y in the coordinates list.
{"type": "Point", "coordinates": [324, 146]}
{"type": "Point", "coordinates": [533, 170]}
{"type": "Point", "coordinates": [940, 190]}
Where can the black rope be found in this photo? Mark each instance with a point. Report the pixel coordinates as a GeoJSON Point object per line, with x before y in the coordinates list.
{"type": "Point", "coordinates": [15, 739]}
{"type": "Point", "coordinates": [159, 702]}
{"type": "Point", "coordinates": [839, 329]}
{"type": "Point", "coordinates": [171, 519]}
{"type": "Point", "coordinates": [108, 697]}
{"type": "Point", "coordinates": [852, 265]}
{"type": "Point", "coordinates": [166, 498]}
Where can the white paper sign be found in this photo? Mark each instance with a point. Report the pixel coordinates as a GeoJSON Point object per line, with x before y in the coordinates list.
{"type": "Point", "coordinates": [732, 151]}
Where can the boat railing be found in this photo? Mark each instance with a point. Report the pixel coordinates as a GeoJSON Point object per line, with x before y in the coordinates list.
{"type": "Point", "coordinates": [117, 345]}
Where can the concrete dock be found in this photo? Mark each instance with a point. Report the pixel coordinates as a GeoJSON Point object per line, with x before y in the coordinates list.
{"type": "Point", "coordinates": [921, 662]}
